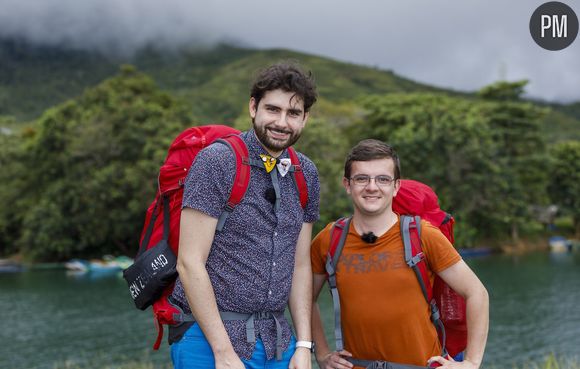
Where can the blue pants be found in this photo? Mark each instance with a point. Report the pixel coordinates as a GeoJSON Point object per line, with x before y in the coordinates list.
{"type": "Point", "coordinates": [193, 351]}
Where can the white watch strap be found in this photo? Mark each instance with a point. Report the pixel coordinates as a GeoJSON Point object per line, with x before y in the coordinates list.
{"type": "Point", "coordinates": [307, 344]}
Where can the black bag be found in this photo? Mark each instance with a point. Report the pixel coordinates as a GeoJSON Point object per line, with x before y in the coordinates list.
{"type": "Point", "coordinates": [153, 269]}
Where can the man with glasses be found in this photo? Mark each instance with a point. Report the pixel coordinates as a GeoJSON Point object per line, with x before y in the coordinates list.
{"type": "Point", "coordinates": [383, 313]}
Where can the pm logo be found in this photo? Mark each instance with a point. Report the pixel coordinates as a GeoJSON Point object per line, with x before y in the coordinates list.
{"type": "Point", "coordinates": [554, 26]}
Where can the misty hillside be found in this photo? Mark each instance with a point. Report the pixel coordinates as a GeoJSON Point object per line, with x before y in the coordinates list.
{"type": "Point", "coordinates": [213, 82]}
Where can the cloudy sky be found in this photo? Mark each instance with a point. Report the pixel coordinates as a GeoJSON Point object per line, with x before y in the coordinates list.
{"type": "Point", "coordinates": [459, 44]}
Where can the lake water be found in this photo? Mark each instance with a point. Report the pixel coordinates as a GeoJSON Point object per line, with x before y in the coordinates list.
{"type": "Point", "coordinates": [52, 319]}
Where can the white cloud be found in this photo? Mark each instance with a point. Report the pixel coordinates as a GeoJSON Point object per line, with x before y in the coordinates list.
{"type": "Point", "coordinates": [450, 43]}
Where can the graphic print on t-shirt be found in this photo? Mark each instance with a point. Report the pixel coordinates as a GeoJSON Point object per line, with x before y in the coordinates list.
{"type": "Point", "coordinates": [371, 262]}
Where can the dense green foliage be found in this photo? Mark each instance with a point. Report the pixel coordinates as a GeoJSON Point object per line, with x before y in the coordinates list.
{"type": "Point", "coordinates": [565, 179]}
{"type": "Point", "coordinates": [520, 154]}
{"type": "Point", "coordinates": [485, 159]}
{"type": "Point", "coordinates": [77, 181]}
{"type": "Point", "coordinates": [81, 178]}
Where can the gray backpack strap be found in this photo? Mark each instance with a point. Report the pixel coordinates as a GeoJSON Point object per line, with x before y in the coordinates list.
{"type": "Point", "coordinates": [251, 329]}
{"type": "Point", "coordinates": [249, 318]}
{"type": "Point", "coordinates": [406, 221]}
{"type": "Point", "coordinates": [413, 261]}
{"type": "Point", "coordinates": [256, 163]}
{"type": "Point", "coordinates": [222, 219]}
{"type": "Point", "coordinates": [342, 225]}
{"type": "Point", "coordinates": [378, 364]}
{"type": "Point", "coordinates": [276, 185]}
{"type": "Point", "coordinates": [279, 350]}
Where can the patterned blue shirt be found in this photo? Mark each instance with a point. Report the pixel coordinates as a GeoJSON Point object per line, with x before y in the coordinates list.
{"type": "Point", "coordinates": [251, 261]}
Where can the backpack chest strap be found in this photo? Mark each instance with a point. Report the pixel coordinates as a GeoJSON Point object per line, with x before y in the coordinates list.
{"type": "Point", "coordinates": [378, 364]}
{"type": "Point", "coordinates": [249, 318]}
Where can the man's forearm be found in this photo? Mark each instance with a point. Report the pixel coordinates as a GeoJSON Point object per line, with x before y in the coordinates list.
{"type": "Point", "coordinates": [318, 335]}
{"type": "Point", "coordinates": [201, 299]}
{"type": "Point", "coordinates": [301, 301]}
{"type": "Point", "coordinates": [477, 325]}
{"type": "Point", "coordinates": [462, 279]}
{"type": "Point", "coordinates": [196, 236]}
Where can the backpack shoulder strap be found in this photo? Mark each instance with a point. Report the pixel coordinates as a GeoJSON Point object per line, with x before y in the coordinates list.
{"type": "Point", "coordinates": [241, 178]}
{"type": "Point", "coordinates": [298, 176]}
{"type": "Point", "coordinates": [338, 235]}
{"type": "Point", "coordinates": [414, 256]}
{"type": "Point", "coordinates": [415, 259]}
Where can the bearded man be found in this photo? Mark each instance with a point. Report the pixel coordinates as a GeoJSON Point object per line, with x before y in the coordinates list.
{"type": "Point", "coordinates": [259, 263]}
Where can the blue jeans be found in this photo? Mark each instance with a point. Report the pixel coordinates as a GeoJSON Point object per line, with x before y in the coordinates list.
{"type": "Point", "coordinates": [193, 351]}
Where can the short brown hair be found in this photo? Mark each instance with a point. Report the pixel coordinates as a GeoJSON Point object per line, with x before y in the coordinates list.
{"type": "Point", "coordinates": [371, 149]}
{"type": "Point", "coordinates": [287, 76]}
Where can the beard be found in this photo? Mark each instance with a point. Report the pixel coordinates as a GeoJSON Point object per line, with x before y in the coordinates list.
{"type": "Point", "coordinates": [275, 145]}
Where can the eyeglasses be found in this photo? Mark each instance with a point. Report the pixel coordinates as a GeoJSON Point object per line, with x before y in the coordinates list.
{"type": "Point", "coordinates": [364, 180]}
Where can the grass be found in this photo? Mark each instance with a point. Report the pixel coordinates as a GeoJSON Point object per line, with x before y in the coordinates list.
{"type": "Point", "coordinates": [102, 360]}
{"type": "Point", "coordinates": [550, 362]}
{"type": "Point", "coordinates": [126, 365]}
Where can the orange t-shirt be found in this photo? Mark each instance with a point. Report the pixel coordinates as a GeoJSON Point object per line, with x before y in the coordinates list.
{"type": "Point", "coordinates": [383, 312]}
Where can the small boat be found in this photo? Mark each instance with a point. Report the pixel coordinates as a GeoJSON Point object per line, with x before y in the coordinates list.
{"type": "Point", "coordinates": [10, 266]}
{"type": "Point", "coordinates": [124, 261]}
{"type": "Point", "coordinates": [77, 265]}
{"type": "Point", "coordinates": [560, 244]}
{"type": "Point", "coordinates": [475, 252]}
{"type": "Point", "coordinates": [107, 264]}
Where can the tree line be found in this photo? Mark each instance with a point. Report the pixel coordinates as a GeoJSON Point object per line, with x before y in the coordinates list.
{"type": "Point", "coordinates": [77, 181]}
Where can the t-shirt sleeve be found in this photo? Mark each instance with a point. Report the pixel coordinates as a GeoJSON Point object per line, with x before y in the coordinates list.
{"type": "Point", "coordinates": [312, 210]}
{"type": "Point", "coordinates": [440, 252]}
{"type": "Point", "coordinates": [210, 179]}
{"type": "Point", "coordinates": [319, 250]}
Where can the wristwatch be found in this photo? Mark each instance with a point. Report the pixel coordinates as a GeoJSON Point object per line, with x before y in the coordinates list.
{"type": "Point", "coordinates": [306, 344]}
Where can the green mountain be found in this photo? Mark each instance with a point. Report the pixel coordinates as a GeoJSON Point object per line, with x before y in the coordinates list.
{"type": "Point", "coordinates": [213, 82]}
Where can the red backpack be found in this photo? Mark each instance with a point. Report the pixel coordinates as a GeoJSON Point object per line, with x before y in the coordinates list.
{"type": "Point", "coordinates": [414, 201]}
{"type": "Point", "coordinates": [172, 175]}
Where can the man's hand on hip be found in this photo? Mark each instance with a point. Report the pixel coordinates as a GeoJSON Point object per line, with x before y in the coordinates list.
{"type": "Point", "coordinates": [451, 364]}
{"type": "Point", "coordinates": [335, 360]}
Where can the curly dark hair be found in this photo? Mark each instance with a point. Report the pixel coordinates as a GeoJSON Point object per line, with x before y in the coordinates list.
{"type": "Point", "coordinates": [287, 76]}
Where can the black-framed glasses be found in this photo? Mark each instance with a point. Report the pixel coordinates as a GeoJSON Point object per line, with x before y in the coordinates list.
{"type": "Point", "coordinates": [364, 180]}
